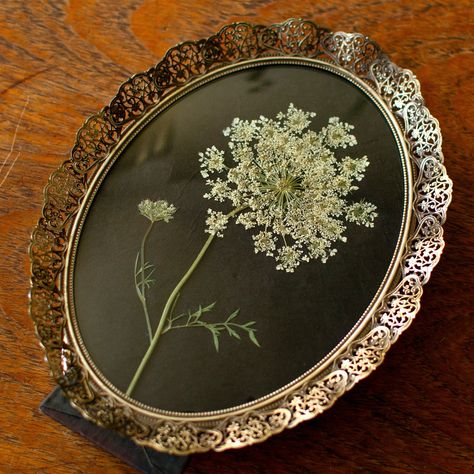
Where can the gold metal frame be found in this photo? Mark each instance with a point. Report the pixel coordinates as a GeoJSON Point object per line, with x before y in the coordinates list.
{"type": "Point", "coordinates": [137, 127]}
{"type": "Point", "coordinates": [71, 189]}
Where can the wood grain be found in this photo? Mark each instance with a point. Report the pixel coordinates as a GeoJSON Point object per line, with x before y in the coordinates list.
{"type": "Point", "coordinates": [65, 59]}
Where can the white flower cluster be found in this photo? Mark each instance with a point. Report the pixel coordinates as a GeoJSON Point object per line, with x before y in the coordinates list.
{"type": "Point", "coordinates": [286, 183]}
{"type": "Point", "coordinates": [216, 222]}
{"type": "Point", "coordinates": [156, 210]}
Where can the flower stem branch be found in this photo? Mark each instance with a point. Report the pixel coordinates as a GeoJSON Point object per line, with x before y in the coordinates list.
{"type": "Point", "coordinates": [170, 303]}
{"type": "Point", "coordinates": [143, 279]}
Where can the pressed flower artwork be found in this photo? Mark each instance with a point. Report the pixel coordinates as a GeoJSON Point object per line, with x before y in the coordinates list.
{"type": "Point", "coordinates": [283, 183]}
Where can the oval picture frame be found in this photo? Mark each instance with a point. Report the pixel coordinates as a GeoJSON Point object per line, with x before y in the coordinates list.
{"type": "Point", "coordinates": [71, 189]}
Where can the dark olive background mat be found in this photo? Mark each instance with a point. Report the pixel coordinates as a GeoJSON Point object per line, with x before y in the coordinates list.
{"type": "Point", "coordinates": [300, 317]}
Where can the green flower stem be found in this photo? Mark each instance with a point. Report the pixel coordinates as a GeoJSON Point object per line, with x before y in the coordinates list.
{"type": "Point", "coordinates": [142, 295]}
{"type": "Point", "coordinates": [169, 305]}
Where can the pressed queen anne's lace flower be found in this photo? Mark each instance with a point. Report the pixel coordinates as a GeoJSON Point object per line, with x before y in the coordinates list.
{"type": "Point", "coordinates": [286, 183]}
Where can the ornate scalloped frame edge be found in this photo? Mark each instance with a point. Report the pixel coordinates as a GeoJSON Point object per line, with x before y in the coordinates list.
{"type": "Point", "coordinates": [183, 63]}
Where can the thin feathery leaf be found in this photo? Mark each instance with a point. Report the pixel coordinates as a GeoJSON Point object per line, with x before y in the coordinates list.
{"type": "Point", "coordinates": [232, 332]}
{"type": "Point", "coordinates": [233, 315]}
{"type": "Point", "coordinates": [209, 308]}
{"type": "Point", "coordinates": [232, 328]}
{"type": "Point", "coordinates": [247, 325]}
{"type": "Point", "coordinates": [215, 338]}
{"type": "Point", "coordinates": [253, 338]}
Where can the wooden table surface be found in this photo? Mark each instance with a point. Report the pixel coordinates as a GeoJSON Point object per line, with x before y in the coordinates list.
{"type": "Point", "coordinates": [62, 60]}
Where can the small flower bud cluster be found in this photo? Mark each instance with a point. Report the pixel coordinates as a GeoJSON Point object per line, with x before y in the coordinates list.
{"type": "Point", "coordinates": [156, 210]}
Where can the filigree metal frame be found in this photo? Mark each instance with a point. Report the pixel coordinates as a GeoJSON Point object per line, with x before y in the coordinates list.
{"type": "Point", "coordinates": [101, 134]}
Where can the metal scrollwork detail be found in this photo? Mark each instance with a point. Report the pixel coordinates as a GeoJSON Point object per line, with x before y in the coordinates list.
{"type": "Point", "coordinates": [105, 411]}
{"type": "Point", "coordinates": [179, 66]}
{"type": "Point", "coordinates": [133, 98]}
{"type": "Point", "coordinates": [364, 355]}
{"type": "Point", "coordinates": [248, 429]}
{"type": "Point", "coordinates": [400, 306]}
{"type": "Point", "coordinates": [93, 142]}
{"type": "Point", "coordinates": [352, 51]}
{"type": "Point", "coordinates": [423, 132]}
{"type": "Point", "coordinates": [296, 39]}
{"type": "Point", "coordinates": [67, 187]}
{"type": "Point", "coordinates": [398, 87]}
{"type": "Point", "coordinates": [180, 438]}
{"type": "Point", "coordinates": [433, 190]}
{"type": "Point", "coordinates": [316, 397]}
{"type": "Point", "coordinates": [234, 43]}
{"type": "Point", "coordinates": [424, 250]}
